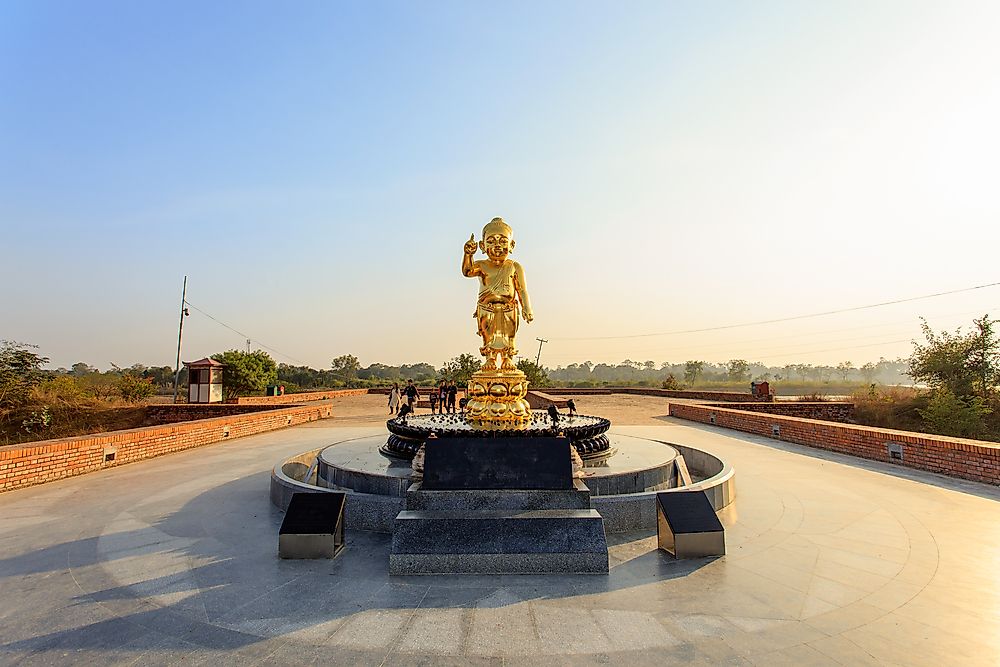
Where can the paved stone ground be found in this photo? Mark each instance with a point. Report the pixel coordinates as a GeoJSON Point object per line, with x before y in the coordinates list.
{"type": "Point", "coordinates": [831, 561]}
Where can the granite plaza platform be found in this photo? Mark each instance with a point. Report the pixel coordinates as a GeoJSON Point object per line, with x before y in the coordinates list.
{"type": "Point", "coordinates": [831, 561]}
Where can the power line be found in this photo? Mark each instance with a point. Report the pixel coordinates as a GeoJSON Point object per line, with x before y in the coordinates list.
{"type": "Point", "coordinates": [756, 351]}
{"type": "Point", "coordinates": [243, 335]}
{"type": "Point", "coordinates": [838, 349]}
{"type": "Point", "coordinates": [782, 319]}
{"type": "Point", "coordinates": [217, 321]}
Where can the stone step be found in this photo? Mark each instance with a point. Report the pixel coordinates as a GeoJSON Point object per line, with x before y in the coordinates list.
{"type": "Point", "coordinates": [496, 500]}
{"type": "Point", "coordinates": [510, 541]}
{"type": "Point", "coordinates": [575, 563]}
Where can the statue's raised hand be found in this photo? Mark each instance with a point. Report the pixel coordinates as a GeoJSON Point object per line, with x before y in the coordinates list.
{"type": "Point", "coordinates": [471, 246]}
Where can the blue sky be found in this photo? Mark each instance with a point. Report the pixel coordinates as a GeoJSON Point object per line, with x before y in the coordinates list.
{"type": "Point", "coordinates": [315, 168]}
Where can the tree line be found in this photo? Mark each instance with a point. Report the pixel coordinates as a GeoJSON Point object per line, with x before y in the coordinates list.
{"type": "Point", "coordinates": [695, 372]}
{"type": "Point", "coordinates": [960, 370]}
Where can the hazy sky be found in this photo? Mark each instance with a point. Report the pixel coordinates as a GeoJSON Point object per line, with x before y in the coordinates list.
{"type": "Point", "coordinates": [315, 168]}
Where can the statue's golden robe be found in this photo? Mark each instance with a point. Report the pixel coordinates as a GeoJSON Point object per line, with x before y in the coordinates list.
{"type": "Point", "coordinates": [498, 312]}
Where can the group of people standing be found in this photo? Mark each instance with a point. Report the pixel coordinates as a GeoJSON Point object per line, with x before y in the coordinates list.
{"type": "Point", "coordinates": [442, 398]}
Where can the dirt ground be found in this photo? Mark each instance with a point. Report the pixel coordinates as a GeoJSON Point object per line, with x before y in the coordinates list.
{"type": "Point", "coordinates": [621, 409]}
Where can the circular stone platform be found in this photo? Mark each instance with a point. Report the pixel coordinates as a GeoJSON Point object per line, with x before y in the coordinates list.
{"type": "Point", "coordinates": [639, 465]}
{"type": "Point", "coordinates": [623, 489]}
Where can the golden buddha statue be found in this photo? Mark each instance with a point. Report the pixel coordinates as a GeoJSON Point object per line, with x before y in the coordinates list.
{"type": "Point", "coordinates": [502, 292]}
{"type": "Point", "coordinates": [496, 392]}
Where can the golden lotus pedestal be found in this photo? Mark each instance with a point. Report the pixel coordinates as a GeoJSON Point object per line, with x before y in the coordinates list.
{"type": "Point", "coordinates": [497, 401]}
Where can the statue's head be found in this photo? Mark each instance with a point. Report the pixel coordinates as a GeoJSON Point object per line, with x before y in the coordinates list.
{"type": "Point", "coordinates": [498, 240]}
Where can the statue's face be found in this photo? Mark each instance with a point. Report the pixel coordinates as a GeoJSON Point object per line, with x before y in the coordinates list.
{"type": "Point", "coordinates": [497, 246]}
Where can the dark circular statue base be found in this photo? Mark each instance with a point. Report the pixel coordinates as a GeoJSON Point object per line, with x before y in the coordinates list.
{"type": "Point", "coordinates": [586, 433]}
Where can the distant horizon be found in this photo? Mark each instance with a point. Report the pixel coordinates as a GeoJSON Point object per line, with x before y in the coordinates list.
{"type": "Point", "coordinates": [786, 360]}
{"type": "Point", "coordinates": [437, 366]}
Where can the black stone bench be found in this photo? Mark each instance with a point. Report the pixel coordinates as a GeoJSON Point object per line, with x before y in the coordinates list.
{"type": "Point", "coordinates": [313, 526]}
{"type": "Point", "coordinates": [539, 400]}
{"type": "Point", "coordinates": [687, 525]}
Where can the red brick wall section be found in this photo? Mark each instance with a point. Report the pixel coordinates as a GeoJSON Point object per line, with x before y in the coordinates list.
{"type": "Point", "coordinates": [825, 410]}
{"type": "Point", "coordinates": [298, 398]}
{"type": "Point", "coordinates": [182, 412]}
{"type": "Point", "coordinates": [957, 457]}
{"type": "Point", "coordinates": [722, 396]}
{"type": "Point", "coordinates": [48, 460]}
{"type": "Point", "coordinates": [578, 391]}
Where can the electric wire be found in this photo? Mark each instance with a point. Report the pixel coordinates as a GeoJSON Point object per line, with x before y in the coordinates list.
{"type": "Point", "coordinates": [767, 352]}
{"type": "Point", "coordinates": [243, 335]}
{"type": "Point", "coordinates": [781, 319]}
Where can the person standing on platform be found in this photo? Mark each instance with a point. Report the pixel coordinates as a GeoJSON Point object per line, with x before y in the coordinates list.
{"type": "Point", "coordinates": [452, 394]}
{"type": "Point", "coordinates": [394, 398]}
{"type": "Point", "coordinates": [434, 400]}
{"type": "Point", "coordinates": [442, 392]}
{"type": "Point", "coordinates": [411, 394]}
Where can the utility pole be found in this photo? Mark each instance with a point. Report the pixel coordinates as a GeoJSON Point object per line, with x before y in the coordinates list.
{"type": "Point", "coordinates": [180, 333]}
{"type": "Point", "coordinates": [541, 341]}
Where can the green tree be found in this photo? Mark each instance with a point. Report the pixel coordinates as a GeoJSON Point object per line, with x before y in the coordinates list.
{"type": "Point", "coordinates": [346, 366]}
{"type": "Point", "coordinates": [948, 414]}
{"type": "Point", "coordinates": [536, 375]}
{"type": "Point", "coordinates": [845, 368]}
{"type": "Point", "coordinates": [134, 388]}
{"type": "Point", "coordinates": [869, 372]}
{"type": "Point", "coordinates": [738, 370]}
{"type": "Point", "coordinates": [461, 368]}
{"type": "Point", "coordinates": [964, 364]}
{"type": "Point", "coordinates": [246, 373]}
{"type": "Point", "coordinates": [80, 369]}
{"type": "Point", "coordinates": [692, 371]}
{"type": "Point", "coordinates": [379, 371]}
{"type": "Point", "coordinates": [418, 372]}
{"type": "Point", "coordinates": [20, 370]}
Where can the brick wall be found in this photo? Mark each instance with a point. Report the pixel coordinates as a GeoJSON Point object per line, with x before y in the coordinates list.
{"type": "Point", "coordinates": [825, 410]}
{"type": "Point", "coordinates": [297, 398]}
{"type": "Point", "coordinates": [48, 460]}
{"type": "Point", "coordinates": [578, 391]}
{"type": "Point", "coordinates": [182, 412]}
{"type": "Point", "coordinates": [424, 391]}
{"type": "Point", "coordinates": [957, 457]}
{"type": "Point", "coordinates": [727, 396]}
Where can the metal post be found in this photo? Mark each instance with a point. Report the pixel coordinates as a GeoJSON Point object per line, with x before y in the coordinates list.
{"type": "Point", "coordinates": [541, 341]}
{"type": "Point", "coordinates": [180, 333]}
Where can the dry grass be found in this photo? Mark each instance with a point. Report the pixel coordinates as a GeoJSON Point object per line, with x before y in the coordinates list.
{"type": "Point", "coordinates": [69, 409]}
{"type": "Point", "coordinates": [890, 407]}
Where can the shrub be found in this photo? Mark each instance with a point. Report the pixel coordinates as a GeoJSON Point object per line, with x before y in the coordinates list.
{"type": "Point", "coordinates": [953, 415]}
{"type": "Point", "coordinates": [37, 421]}
{"type": "Point", "coordinates": [889, 407]}
{"type": "Point", "coordinates": [135, 389]}
{"type": "Point", "coordinates": [60, 389]}
{"type": "Point", "coordinates": [671, 383]}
